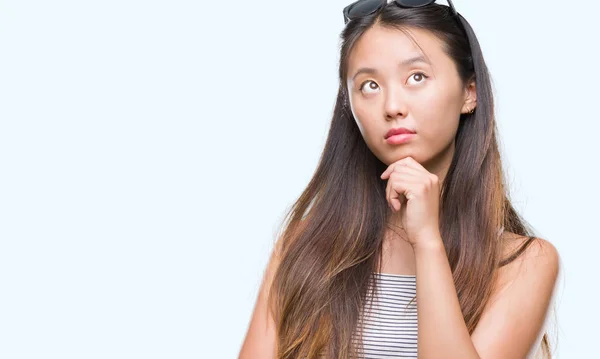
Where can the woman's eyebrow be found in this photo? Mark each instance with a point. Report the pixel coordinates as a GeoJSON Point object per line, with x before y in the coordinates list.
{"type": "Point", "coordinates": [403, 63]}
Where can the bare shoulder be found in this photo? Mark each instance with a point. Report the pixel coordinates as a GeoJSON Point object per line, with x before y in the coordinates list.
{"type": "Point", "coordinates": [521, 299]}
{"type": "Point", "coordinates": [531, 259]}
{"type": "Point", "coordinates": [536, 249]}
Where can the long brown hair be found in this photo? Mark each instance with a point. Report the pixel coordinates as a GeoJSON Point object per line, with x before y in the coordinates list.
{"type": "Point", "coordinates": [332, 239]}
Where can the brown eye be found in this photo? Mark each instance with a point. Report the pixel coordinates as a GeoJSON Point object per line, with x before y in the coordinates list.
{"type": "Point", "coordinates": [371, 85]}
{"type": "Point", "coordinates": [418, 77]}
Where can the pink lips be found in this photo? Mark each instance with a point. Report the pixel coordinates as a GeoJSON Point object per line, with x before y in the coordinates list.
{"type": "Point", "coordinates": [396, 136]}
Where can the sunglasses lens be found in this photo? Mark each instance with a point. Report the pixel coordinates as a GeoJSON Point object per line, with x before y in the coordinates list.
{"type": "Point", "coordinates": [414, 3]}
{"type": "Point", "coordinates": [363, 8]}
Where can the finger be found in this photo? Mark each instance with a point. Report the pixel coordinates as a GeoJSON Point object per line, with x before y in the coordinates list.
{"type": "Point", "coordinates": [404, 190]}
{"type": "Point", "coordinates": [388, 193]}
{"type": "Point", "coordinates": [412, 163]}
{"type": "Point", "coordinates": [398, 185]}
{"type": "Point", "coordinates": [402, 169]}
{"type": "Point", "coordinates": [395, 199]}
{"type": "Point", "coordinates": [392, 196]}
{"type": "Point", "coordinates": [387, 171]}
{"type": "Point", "coordinates": [407, 162]}
{"type": "Point", "coordinates": [402, 173]}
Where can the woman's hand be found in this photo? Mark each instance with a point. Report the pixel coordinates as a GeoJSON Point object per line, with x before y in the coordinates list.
{"type": "Point", "coordinates": [415, 192]}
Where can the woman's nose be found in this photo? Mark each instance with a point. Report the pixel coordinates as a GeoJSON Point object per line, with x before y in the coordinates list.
{"type": "Point", "coordinates": [394, 106]}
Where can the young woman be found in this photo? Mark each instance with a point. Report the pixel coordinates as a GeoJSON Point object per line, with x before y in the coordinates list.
{"type": "Point", "coordinates": [404, 243]}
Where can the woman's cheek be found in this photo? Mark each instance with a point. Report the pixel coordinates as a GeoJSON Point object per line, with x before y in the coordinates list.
{"type": "Point", "coordinates": [363, 121]}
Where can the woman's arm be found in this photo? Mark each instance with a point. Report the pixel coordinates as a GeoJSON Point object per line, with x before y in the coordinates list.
{"type": "Point", "coordinates": [260, 338]}
{"type": "Point", "coordinates": [512, 322]}
{"type": "Point", "coordinates": [513, 319]}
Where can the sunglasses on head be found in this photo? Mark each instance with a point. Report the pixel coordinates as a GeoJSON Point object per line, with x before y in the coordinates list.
{"type": "Point", "coordinates": [362, 8]}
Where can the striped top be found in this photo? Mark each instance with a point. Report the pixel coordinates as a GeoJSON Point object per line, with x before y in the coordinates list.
{"type": "Point", "coordinates": [390, 323]}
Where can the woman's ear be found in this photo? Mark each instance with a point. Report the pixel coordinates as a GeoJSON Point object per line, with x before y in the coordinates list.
{"type": "Point", "coordinates": [470, 101]}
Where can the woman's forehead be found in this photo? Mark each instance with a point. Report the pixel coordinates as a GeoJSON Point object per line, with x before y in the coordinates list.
{"type": "Point", "coordinates": [381, 48]}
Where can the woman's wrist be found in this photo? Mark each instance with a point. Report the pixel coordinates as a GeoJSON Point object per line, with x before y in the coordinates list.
{"type": "Point", "coordinates": [429, 243]}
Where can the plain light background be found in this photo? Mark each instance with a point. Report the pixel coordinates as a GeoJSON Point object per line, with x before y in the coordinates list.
{"type": "Point", "coordinates": [149, 149]}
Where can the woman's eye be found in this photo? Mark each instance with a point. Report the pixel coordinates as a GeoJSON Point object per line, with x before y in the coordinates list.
{"type": "Point", "coordinates": [418, 77]}
{"type": "Point", "coordinates": [370, 85]}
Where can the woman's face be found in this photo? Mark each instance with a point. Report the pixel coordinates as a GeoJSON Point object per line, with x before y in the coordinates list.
{"type": "Point", "coordinates": [392, 83]}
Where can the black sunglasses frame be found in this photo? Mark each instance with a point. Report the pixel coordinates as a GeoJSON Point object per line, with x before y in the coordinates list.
{"type": "Point", "coordinates": [380, 4]}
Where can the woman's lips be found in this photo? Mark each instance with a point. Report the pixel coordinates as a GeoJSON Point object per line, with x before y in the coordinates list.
{"type": "Point", "coordinates": [400, 138]}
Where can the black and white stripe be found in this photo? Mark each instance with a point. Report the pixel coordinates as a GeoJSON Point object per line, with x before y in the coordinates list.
{"type": "Point", "coordinates": [390, 324]}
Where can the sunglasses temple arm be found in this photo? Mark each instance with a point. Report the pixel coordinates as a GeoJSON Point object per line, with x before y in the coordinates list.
{"type": "Point", "coordinates": [452, 8]}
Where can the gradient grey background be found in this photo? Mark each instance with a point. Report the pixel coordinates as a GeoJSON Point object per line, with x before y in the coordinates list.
{"type": "Point", "coordinates": [148, 151]}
